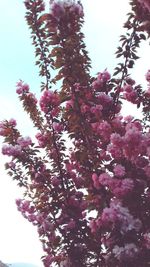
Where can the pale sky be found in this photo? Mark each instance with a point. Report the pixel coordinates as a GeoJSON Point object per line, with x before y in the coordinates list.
{"type": "Point", "coordinates": [103, 25]}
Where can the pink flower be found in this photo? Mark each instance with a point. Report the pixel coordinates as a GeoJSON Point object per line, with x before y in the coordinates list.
{"type": "Point", "coordinates": [115, 151]}
{"type": "Point", "coordinates": [97, 84]}
{"type": "Point", "coordinates": [104, 179]}
{"type": "Point", "coordinates": [58, 127]}
{"type": "Point", "coordinates": [32, 218]}
{"type": "Point", "coordinates": [131, 97]}
{"type": "Point", "coordinates": [133, 137]}
{"type": "Point", "coordinates": [22, 88]}
{"type": "Point", "coordinates": [49, 101]}
{"type": "Point", "coordinates": [12, 122]}
{"type": "Point", "coordinates": [117, 123]}
{"type": "Point", "coordinates": [18, 202]}
{"type": "Point", "coordinates": [85, 108]}
{"type": "Point", "coordinates": [105, 130]}
{"type": "Point", "coordinates": [104, 99]}
{"type": "Point", "coordinates": [117, 140]}
{"type": "Point", "coordinates": [24, 141]}
{"type": "Point", "coordinates": [11, 150]}
{"type": "Point", "coordinates": [78, 9]}
{"type": "Point", "coordinates": [96, 110]}
{"type": "Point", "coordinates": [25, 207]}
{"type": "Point", "coordinates": [119, 170]}
{"type": "Point", "coordinates": [58, 8]}
{"type": "Point", "coordinates": [115, 214]}
{"type": "Point", "coordinates": [121, 188]}
{"type": "Point", "coordinates": [65, 263]}
{"type": "Point", "coordinates": [128, 118]}
{"type": "Point", "coordinates": [128, 88]}
{"type": "Point", "coordinates": [42, 139]}
{"type": "Point", "coordinates": [104, 76]}
{"type": "Point", "coordinates": [129, 251]}
{"type": "Point", "coordinates": [108, 215]}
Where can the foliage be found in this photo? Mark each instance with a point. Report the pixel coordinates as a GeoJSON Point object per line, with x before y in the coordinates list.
{"type": "Point", "coordinates": [90, 202]}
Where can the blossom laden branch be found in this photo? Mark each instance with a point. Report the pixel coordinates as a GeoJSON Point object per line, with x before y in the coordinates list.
{"type": "Point", "coordinates": [89, 202]}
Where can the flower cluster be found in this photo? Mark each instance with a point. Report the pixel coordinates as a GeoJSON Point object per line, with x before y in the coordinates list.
{"type": "Point", "coordinates": [27, 210]}
{"type": "Point", "coordinates": [42, 139]}
{"type": "Point", "coordinates": [58, 8]}
{"type": "Point", "coordinates": [130, 94]}
{"type": "Point", "coordinates": [101, 80]}
{"type": "Point", "coordinates": [49, 102]}
{"type": "Point", "coordinates": [131, 144]}
{"type": "Point", "coordinates": [129, 251]}
{"type": "Point", "coordinates": [119, 188]}
{"type": "Point", "coordinates": [90, 199]}
{"type": "Point", "coordinates": [24, 141]}
{"type": "Point", "coordinates": [11, 150]}
{"type": "Point", "coordinates": [119, 170]}
{"type": "Point", "coordinates": [117, 215]}
{"type": "Point", "coordinates": [22, 88]}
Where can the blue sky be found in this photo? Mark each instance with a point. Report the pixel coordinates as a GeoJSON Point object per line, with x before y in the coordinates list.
{"type": "Point", "coordinates": [104, 19]}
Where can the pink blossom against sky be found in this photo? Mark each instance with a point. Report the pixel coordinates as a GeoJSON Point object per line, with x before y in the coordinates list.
{"type": "Point", "coordinates": [18, 239]}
